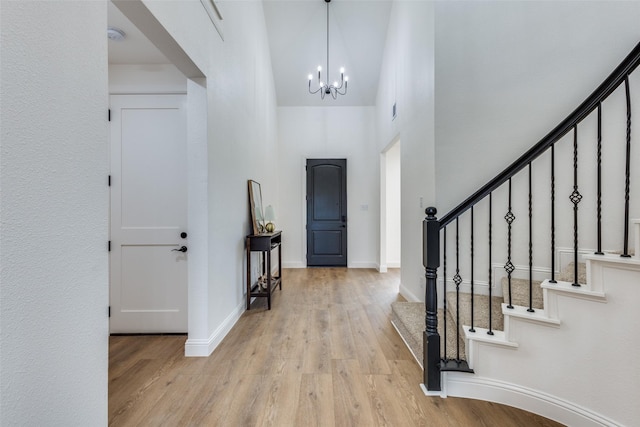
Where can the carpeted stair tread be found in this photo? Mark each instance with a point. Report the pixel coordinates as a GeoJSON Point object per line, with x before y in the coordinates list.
{"type": "Point", "coordinates": [567, 274]}
{"type": "Point", "coordinates": [520, 292]}
{"type": "Point", "coordinates": [480, 310]}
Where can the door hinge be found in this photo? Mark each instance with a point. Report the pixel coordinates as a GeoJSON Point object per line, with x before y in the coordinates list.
{"type": "Point", "coordinates": [109, 114]}
{"type": "Point", "coordinates": [109, 311]}
{"type": "Point", "coordinates": [109, 180]}
{"type": "Point", "coordinates": [109, 245]}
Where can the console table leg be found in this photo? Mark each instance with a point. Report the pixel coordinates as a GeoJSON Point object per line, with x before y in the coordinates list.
{"type": "Point", "coordinates": [248, 274]}
{"type": "Point", "coordinates": [269, 280]}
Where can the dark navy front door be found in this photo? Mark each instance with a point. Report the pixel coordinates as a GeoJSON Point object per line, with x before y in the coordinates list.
{"type": "Point", "coordinates": [327, 212]}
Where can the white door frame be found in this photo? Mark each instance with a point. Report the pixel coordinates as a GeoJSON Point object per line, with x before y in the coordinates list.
{"type": "Point", "coordinates": [383, 262]}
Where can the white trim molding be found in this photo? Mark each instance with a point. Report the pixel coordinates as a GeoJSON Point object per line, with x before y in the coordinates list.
{"type": "Point", "coordinates": [204, 347]}
{"type": "Point", "coordinates": [474, 387]}
{"type": "Point", "coordinates": [294, 264]}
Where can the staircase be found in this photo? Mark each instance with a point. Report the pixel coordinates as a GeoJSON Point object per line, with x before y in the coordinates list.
{"type": "Point", "coordinates": [555, 336]}
{"type": "Point", "coordinates": [562, 361]}
{"type": "Point", "coordinates": [408, 317]}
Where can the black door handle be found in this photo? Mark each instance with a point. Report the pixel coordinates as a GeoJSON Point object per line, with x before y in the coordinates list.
{"type": "Point", "coordinates": [182, 249]}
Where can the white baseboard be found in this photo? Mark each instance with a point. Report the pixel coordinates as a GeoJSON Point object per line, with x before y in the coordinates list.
{"type": "Point", "coordinates": [393, 264]}
{"type": "Point", "coordinates": [408, 295]}
{"type": "Point", "coordinates": [204, 347]}
{"type": "Point", "coordinates": [362, 265]}
{"type": "Point", "coordinates": [294, 264]}
{"type": "Point", "coordinates": [474, 387]}
{"type": "Point", "coordinates": [382, 268]}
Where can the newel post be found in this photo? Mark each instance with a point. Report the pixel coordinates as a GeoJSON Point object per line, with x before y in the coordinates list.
{"type": "Point", "coordinates": [431, 262]}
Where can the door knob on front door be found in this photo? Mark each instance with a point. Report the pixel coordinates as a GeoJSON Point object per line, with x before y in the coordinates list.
{"type": "Point", "coordinates": [182, 249]}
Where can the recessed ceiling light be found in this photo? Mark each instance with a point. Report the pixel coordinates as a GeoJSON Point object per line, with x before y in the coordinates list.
{"type": "Point", "coordinates": [115, 34]}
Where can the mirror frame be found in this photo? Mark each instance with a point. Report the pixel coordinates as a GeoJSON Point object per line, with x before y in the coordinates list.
{"type": "Point", "coordinates": [255, 205]}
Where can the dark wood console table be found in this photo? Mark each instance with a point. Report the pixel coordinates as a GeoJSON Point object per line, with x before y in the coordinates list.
{"type": "Point", "coordinates": [264, 243]}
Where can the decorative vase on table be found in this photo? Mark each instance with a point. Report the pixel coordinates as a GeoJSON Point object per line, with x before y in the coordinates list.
{"type": "Point", "coordinates": [269, 216]}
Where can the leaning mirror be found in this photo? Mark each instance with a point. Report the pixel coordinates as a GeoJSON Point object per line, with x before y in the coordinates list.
{"type": "Point", "coordinates": [255, 205]}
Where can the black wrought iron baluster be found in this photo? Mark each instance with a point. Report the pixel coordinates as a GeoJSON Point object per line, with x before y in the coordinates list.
{"type": "Point", "coordinates": [599, 190]}
{"type": "Point", "coordinates": [490, 331]}
{"type": "Point", "coordinates": [530, 309]}
{"type": "Point", "coordinates": [575, 198]}
{"type": "Point", "coordinates": [553, 214]}
{"type": "Point", "coordinates": [627, 175]}
{"type": "Point", "coordinates": [457, 280]}
{"type": "Point", "coordinates": [509, 267]}
{"type": "Point", "coordinates": [444, 292]}
{"type": "Point", "coordinates": [472, 329]}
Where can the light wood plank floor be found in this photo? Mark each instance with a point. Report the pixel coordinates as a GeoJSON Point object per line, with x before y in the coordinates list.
{"type": "Point", "coordinates": [325, 355]}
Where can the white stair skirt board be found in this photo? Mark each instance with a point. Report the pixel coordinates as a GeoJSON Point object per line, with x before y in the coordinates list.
{"type": "Point", "coordinates": [564, 366]}
{"type": "Point", "coordinates": [415, 356]}
{"type": "Point", "coordinates": [477, 387]}
{"type": "Point", "coordinates": [204, 347]}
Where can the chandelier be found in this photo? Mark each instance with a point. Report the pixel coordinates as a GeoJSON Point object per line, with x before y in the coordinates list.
{"type": "Point", "coordinates": [325, 88]}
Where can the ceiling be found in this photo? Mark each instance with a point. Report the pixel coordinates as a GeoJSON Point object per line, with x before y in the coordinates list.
{"type": "Point", "coordinates": [297, 33]}
{"type": "Point", "coordinates": [136, 47]}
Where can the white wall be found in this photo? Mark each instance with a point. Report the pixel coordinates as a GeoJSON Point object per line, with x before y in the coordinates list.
{"type": "Point", "coordinates": [328, 132]}
{"type": "Point", "coordinates": [407, 78]}
{"type": "Point", "coordinates": [54, 324]}
{"type": "Point", "coordinates": [147, 78]}
{"type": "Point", "coordinates": [242, 139]}
{"type": "Point", "coordinates": [509, 72]}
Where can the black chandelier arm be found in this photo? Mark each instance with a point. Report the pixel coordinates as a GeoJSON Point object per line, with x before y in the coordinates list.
{"type": "Point", "coordinates": [345, 89]}
{"type": "Point", "coordinates": [316, 91]}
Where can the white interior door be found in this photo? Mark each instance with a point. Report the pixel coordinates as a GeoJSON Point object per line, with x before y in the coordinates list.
{"type": "Point", "coordinates": [148, 275]}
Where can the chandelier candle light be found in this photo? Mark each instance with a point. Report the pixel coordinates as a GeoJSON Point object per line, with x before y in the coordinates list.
{"type": "Point", "coordinates": [323, 87]}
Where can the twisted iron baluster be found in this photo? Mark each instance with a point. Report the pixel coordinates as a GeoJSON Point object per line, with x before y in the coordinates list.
{"type": "Point", "coordinates": [599, 195]}
{"type": "Point", "coordinates": [575, 198]}
{"type": "Point", "coordinates": [457, 280]}
{"type": "Point", "coordinates": [509, 267]}
{"type": "Point", "coordinates": [472, 329]}
{"type": "Point", "coordinates": [490, 331]}
{"type": "Point", "coordinates": [627, 181]}
{"type": "Point", "coordinates": [553, 215]}
{"type": "Point", "coordinates": [530, 309]}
